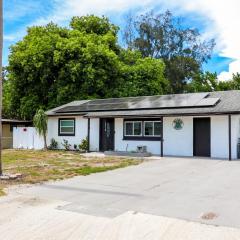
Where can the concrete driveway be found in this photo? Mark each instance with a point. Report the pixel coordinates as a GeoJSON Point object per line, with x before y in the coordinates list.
{"type": "Point", "coordinates": [201, 190]}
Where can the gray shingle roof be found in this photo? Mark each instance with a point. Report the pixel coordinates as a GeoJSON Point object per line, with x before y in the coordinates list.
{"type": "Point", "coordinates": [71, 104]}
{"type": "Point", "coordinates": [146, 102]}
{"type": "Point", "coordinates": [6, 120]}
{"type": "Point", "coordinates": [177, 104]}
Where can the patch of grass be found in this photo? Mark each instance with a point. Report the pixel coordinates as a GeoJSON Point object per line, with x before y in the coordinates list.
{"type": "Point", "coordinates": [39, 166]}
{"type": "Point", "coordinates": [86, 170]}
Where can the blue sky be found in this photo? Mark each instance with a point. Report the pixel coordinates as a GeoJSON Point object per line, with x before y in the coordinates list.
{"type": "Point", "coordinates": [213, 18]}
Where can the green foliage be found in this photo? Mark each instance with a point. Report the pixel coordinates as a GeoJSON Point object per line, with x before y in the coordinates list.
{"type": "Point", "coordinates": [40, 123]}
{"type": "Point", "coordinates": [83, 146]}
{"type": "Point", "coordinates": [93, 24]}
{"type": "Point", "coordinates": [141, 76]}
{"type": "Point", "coordinates": [180, 70]}
{"type": "Point", "coordinates": [32, 70]}
{"type": "Point", "coordinates": [53, 65]}
{"type": "Point", "coordinates": [162, 36]}
{"type": "Point", "coordinates": [53, 144]}
{"type": "Point", "coordinates": [204, 82]}
{"type": "Point", "coordinates": [208, 82]}
{"type": "Point", "coordinates": [233, 84]}
{"type": "Point", "coordinates": [66, 145]}
{"type": "Point", "coordinates": [86, 169]}
{"type": "Point", "coordinates": [8, 110]}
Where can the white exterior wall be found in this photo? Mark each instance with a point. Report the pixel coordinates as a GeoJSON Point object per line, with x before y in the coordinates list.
{"type": "Point", "coordinates": [80, 131]}
{"type": "Point", "coordinates": [178, 142]}
{"type": "Point", "coordinates": [127, 145]}
{"type": "Point", "coordinates": [94, 134]}
{"type": "Point", "coordinates": [27, 138]}
{"type": "Point", "coordinates": [219, 137]}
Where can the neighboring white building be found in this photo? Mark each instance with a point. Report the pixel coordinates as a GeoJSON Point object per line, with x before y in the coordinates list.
{"type": "Point", "coordinates": [196, 124]}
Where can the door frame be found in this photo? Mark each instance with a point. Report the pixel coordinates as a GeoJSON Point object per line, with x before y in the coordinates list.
{"type": "Point", "coordinates": [100, 134]}
{"type": "Point", "coordinates": [210, 137]}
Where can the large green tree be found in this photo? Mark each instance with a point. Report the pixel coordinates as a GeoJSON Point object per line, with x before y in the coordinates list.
{"type": "Point", "coordinates": [163, 36]}
{"type": "Point", "coordinates": [203, 82]}
{"type": "Point", "coordinates": [53, 65]}
{"type": "Point", "coordinates": [233, 84]}
{"type": "Point", "coordinates": [141, 76]}
{"type": "Point", "coordinates": [209, 82]}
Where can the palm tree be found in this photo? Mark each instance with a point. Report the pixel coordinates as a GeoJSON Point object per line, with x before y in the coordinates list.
{"type": "Point", "coordinates": [40, 123]}
{"type": "Point", "coordinates": [1, 47]}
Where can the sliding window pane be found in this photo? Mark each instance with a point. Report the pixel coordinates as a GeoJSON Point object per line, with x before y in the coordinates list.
{"type": "Point", "coordinates": [157, 128]}
{"type": "Point", "coordinates": [67, 126]}
{"type": "Point", "coordinates": [148, 130]}
{"type": "Point", "coordinates": [137, 128]}
{"type": "Point", "coordinates": [67, 123]}
{"type": "Point", "coordinates": [129, 128]}
{"type": "Point", "coordinates": [69, 130]}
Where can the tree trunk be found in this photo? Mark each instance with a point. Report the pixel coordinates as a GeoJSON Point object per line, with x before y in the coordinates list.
{"type": "Point", "coordinates": [1, 47]}
{"type": "Point", "coordinates": [45, 141]}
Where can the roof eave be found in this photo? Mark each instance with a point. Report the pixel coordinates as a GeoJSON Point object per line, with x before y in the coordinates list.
{"type": "Point", "coordinates": [162, 115]}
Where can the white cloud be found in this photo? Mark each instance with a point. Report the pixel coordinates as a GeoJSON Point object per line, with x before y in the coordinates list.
{"type": "Point", "coordinates": [9, 38]}
{"type": "Point", "coordinates": [234, 67]}
{"type": "Point", "coordinates": [65, 9]}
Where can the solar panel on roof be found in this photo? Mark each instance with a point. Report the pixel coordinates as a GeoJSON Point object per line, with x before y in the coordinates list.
{"type": "Point", "coordinates": [149, 102]}
{"type": "Point", "coordinates": [208, 102]}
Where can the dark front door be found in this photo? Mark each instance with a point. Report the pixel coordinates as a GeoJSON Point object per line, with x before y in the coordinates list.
{"type": "Point", "coordinates": [201, 137]}
{"type": "Point", "coordinates": [106, 134]}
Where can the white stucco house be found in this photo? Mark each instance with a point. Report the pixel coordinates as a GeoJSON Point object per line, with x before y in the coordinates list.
{"type": "Point", "coordinates": [195, 124]}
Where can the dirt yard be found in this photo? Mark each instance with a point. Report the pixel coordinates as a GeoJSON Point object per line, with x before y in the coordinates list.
{"type": "Point", "coordinates": [39, 166]}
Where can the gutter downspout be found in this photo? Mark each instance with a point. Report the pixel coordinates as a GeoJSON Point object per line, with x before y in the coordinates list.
{"type": "Point", "coordinates": [230, 137]}
{"type": "Point", "coordinates": [161, 137]}
{"type": "Point", "coordinates": [88, 135]}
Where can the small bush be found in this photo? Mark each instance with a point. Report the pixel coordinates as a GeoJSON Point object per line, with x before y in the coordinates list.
{"type": "Point", "coordinates": [83, 146]}
{"type": "Point", "coordinates": [75, 147]}
{"type": "Point", "coordinates": [53, 144]}
{"type": "Point", "coordinates": [66, 145]}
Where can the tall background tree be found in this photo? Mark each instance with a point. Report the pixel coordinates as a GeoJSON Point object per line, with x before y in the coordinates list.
{"type": "Point", "coordinates": [53, 65]}
{"type": "Point", "coordinates": [163, 36]}
{"type": "Point", "coordinates": [209, 82]}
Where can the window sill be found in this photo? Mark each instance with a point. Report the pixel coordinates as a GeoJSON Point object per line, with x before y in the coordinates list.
{"type": "Point", "coordinates": [66, 135]}
{"type": "Point", "coordinates": [142, 138]}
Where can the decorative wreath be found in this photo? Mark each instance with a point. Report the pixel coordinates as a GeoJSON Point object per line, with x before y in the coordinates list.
{"type": "Point", "coordinates": [178, 124]}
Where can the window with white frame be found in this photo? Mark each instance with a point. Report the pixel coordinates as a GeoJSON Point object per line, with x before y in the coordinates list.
{"type": "Point", "coordinates": [67, 127]}
{"type": "Point", "coordinates": [133, 128]}
{"type": "Point", "coordinates": [152, 128]}
{"type": "Point", "coordinates": [142, 129]}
